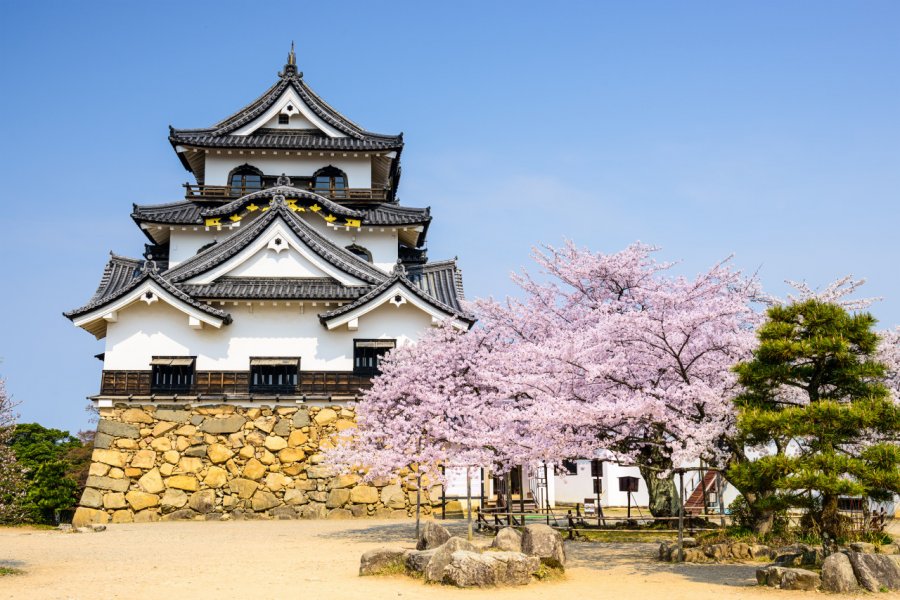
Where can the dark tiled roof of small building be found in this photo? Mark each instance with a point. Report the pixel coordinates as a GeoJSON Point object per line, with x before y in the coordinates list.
{"type": "Point", "coordinates": [220, 134]}
{"type": "Point", "coordinates": [442, 279]}
{"type": "Point", "coordinates": [220, 252]}
{"type": "Point", "coordinates": [275, 288]}
{"type": "Point", "coordinates": [289, 193]}
{"type": "Point", "coordinates": [117, 274]}
{"type": "Point", "coordinates": [187, 212]}
{"type": "Point", "coordinates": [399, 276]}
{"type": "Point", "coordinates": [147, 272]}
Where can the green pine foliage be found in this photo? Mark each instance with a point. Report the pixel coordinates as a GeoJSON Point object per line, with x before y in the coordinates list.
{"type": "Point", "coordinates": [54, 462]}
{"type": "Point", "coordinates": [815, 406]}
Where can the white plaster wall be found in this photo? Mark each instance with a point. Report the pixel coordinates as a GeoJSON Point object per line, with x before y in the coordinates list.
{"type": "Point", "coordinates": [298, 121]}
{"type": "Point", "coordinates": [218, 166]}
{"type": "Point", "coordinates": [381, 241]}
{"type": "Point", "coordinates": [159, 330]}
{"type": "Point", "coordinates": [575, 488]}
{"type": "Point", "coordinates": [268, 263]}
{"type": "Point", "coordinates": [184, 243]}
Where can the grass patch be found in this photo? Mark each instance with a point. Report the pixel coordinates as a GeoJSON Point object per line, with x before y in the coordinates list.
{"type": "Point", "coordinates": [10, 571]}
{"type": "Point", "coordinates": [394, 568]}
{"type": "Point", "coordinates": [610, 536]}
{"type": "Point", "coordinates": [547, 573]}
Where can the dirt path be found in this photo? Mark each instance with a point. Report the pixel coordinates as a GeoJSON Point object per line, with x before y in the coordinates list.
{"type": "Point", "coordinates": [318, 559]}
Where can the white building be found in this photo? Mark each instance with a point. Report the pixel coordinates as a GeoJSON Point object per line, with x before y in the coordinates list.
{"type": "Point", "coordinates": [283, 275]}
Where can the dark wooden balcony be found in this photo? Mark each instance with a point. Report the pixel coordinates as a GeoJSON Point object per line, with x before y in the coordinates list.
{"type": "Point", "coordinates": [235, 384]}
{"type": "Point", "coordinates": [230, 192]}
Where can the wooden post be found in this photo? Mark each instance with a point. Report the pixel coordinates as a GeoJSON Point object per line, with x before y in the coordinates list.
{"type": "Point", "coordinates": [469, 501]}
{"type": "Point", "coordinates": [418, 502]}
{"type": "Point", "coordinates": [444, 495]}
{"type": "Point", "coordinates": [681, 516]}
{"type": "Point", "coordinates": [522, 491]}
{"type": "Point", "coordinates": [547, 491]}
{"type": "Point", "coordinates": [508, 479]}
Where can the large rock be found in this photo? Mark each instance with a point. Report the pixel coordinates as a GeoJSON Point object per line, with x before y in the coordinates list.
{"type": "Point", "coordinates": [151, 482]}
{"type": "Point", "coordinates": [88, 516]}
{"type": "Point", "coordinates": [837, 574]}
{"type": "Point", "coordinates": [383, 561]}
{"type": "Point", "coordinates": [788, 579]}
{"type": "Point", "coordinates": [187, 483]}
{"type": "Point", "coordinates": [876, 571]}
{"type": "Point", "coordinates": [274, 443]}
{"type": "Point", "coordinates": [136, 415]}
{"type": "Point", "coordinates": [508, 540]}
{"type": "Point", "coordinates": [203, 501]}
{"type": "Point", "coordinates": [113, 458]}
{"type": "Point", "coordinates": [470, 569]}
{"type": "Point", "coordinates": [862, 547]}
{"type": "Point", "coordinates": [417, 560]}
{"type": "Point", "coordinates": [546, 543]}
{"type": "Point", "coordinates": [432, 536]}
{"type": "Point", "coordinates": [108, 483]}
{"type": "Point", "coordinates": [337, 498]}
{"type": "Point", "coordinates": [144, 459]}
{"type": "Point", "coordinates": [434, 569]}
{"type": "Point", "coordinates": [301, 418]}
{"type": "Point", "coordinates": [174, 415]}
{"type": "Point", "coordinates": [141, 500]}
{"type": "Point", "coordinates": [254, 469]}
{"type": "Point", "coordinates": [364, 494]}
{"type": "Point", "coordinates": [91, 498]}
{"type": "Point", "coordinates": [263, 500]}
{"type": "Point", "coordinates": [173, 499]}
{"type": "Point", "coordinates": [230, 424]}
{"type": "Point", "coordinates": [218, 453]}
{"type": "Point", "coordinates": [514, 568]}
{"type": "Point", "coordinates": [245, 488]}
{"type": "Point", "coordinates": [325, 416]}
{"type": "Point", "coordinates": [215, 477]}
{"type": "Point", "coordinates": [117, 429]}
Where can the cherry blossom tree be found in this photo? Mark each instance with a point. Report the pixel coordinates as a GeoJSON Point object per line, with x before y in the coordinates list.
{"type": "Point", "coordinates": [12, 483]}
{"type": "Point", "coordinates": [617, 353]}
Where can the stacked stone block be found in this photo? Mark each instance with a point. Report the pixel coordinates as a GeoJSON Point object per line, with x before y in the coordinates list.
{"type": "Point", "coordinates": [155, 463]}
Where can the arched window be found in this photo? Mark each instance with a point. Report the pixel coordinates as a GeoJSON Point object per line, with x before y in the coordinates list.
{"type": "Point", "coordinates": [331, 182]}
{"type": "Point", "coordinates": [244, 180]}
{"type": "Point", "coordinates": [360, 252]}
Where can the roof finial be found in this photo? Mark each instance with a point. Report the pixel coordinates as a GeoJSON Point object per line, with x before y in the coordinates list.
{"type": "Point", "coordinates": [290, 69]}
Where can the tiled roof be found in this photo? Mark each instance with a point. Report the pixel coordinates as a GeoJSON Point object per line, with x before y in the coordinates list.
{"type": "Point", "coordinates": [289, 193]}
{"type": "Point", "coordinates": [219, 253]}
{"type": "Point", "coordinates": [220, 134]}
{"type": "Point", "coordinates": [271, 140]}
{"type": "Point", "coordinates": [117, 274]}
{"type": "Point", "coordinates": [187, 212]}
{"type": "Point", "coordinates": [275, 288]}
{"type": "Point", "coordinates": [398, 276]}
{"type": "Point", "coordinates": [441, 279]}
{"type": "Point", "coordinates": [147, 271]}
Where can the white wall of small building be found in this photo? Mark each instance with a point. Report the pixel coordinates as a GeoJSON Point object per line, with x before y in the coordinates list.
{"type": "Point", "coordinates": [219, 163]}
{"type": "Point", "coordinates": [143, 331]}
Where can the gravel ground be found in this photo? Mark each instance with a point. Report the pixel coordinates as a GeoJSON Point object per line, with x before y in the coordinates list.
{"type": "Point", "coordinates": [319, 559]}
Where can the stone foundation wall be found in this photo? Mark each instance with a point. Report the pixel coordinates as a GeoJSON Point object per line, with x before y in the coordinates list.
{"type": "Point", "coordinates": [159, 463]}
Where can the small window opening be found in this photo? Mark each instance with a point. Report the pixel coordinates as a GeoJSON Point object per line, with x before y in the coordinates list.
{"type": "Point", "coordinates": [367, 355]}
{"type": "Point", "coordinates": [284, 119]}
{"type": "Point", "coordinates": [570, 467]}
{"type": "Point", "coordinates": [274, 375]}
{"type": "Point", "coordinates": [172, 375]}
{"type": "Point", "coordinates": [331, 182]}
{"type": "Point", "coordinates": [245, 180]}
{"type": "Point", "coordinates": [360, 252]}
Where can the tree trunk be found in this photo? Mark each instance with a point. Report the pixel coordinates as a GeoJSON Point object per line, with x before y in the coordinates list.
{"type": "Point", "coordinates": [469, 503]}
{"type": "Point", "coordinates": [830, 518]}
{"type": "Point", "coordinates": [418, 503]}
{"type": "Point", "coordinates": [663, 493]}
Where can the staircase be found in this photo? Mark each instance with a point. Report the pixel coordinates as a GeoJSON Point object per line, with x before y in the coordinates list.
{"type": "Point", "coordinates": [694, 504]}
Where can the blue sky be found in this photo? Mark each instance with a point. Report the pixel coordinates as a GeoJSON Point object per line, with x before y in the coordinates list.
{"type": "Point", "coordinates": [767, 130]}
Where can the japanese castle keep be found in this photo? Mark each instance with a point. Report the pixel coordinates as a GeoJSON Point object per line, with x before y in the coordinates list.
{"type": "Point", "coordinates": [236, 345]}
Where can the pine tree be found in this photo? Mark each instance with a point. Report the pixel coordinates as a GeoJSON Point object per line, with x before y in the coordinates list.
{"type": "Point", "coordinates": [816, 410]}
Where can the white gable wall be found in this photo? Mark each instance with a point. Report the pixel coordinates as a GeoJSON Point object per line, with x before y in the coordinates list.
{"type": "Point", "coordinates": [218, 166]}
{"type": "Point", "coordinates": [183, 244]}
{"type": "Point", "coordinates": [159, 330]}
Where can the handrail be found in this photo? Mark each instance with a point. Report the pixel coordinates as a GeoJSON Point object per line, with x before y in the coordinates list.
{"type": "Point", "coordinates": [216, 192]}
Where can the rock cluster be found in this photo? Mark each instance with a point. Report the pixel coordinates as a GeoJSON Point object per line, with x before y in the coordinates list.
{"type": "Point", "coordinates": [850, 570]}
{"type": "Point", "coordinates": [222, 461]}
{"type": "Point", "coordinates": [723, 552]}
{"type": "Point", "coordinates": [440, 558]}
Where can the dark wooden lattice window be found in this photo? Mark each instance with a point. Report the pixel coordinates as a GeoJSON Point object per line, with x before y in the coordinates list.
{"type": "Point", "coordinates": [284, 119]}
{"type": "Point", "coordinates": [172, 374]}
{"type": "Point", "coordinates": [367, 355]}
{"type": "Point", "coordinates": [331, 182]}
{"type": "Point", "coordinates": [245, 180]}
{"type": "Point", "coordinates": [274, 375]}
